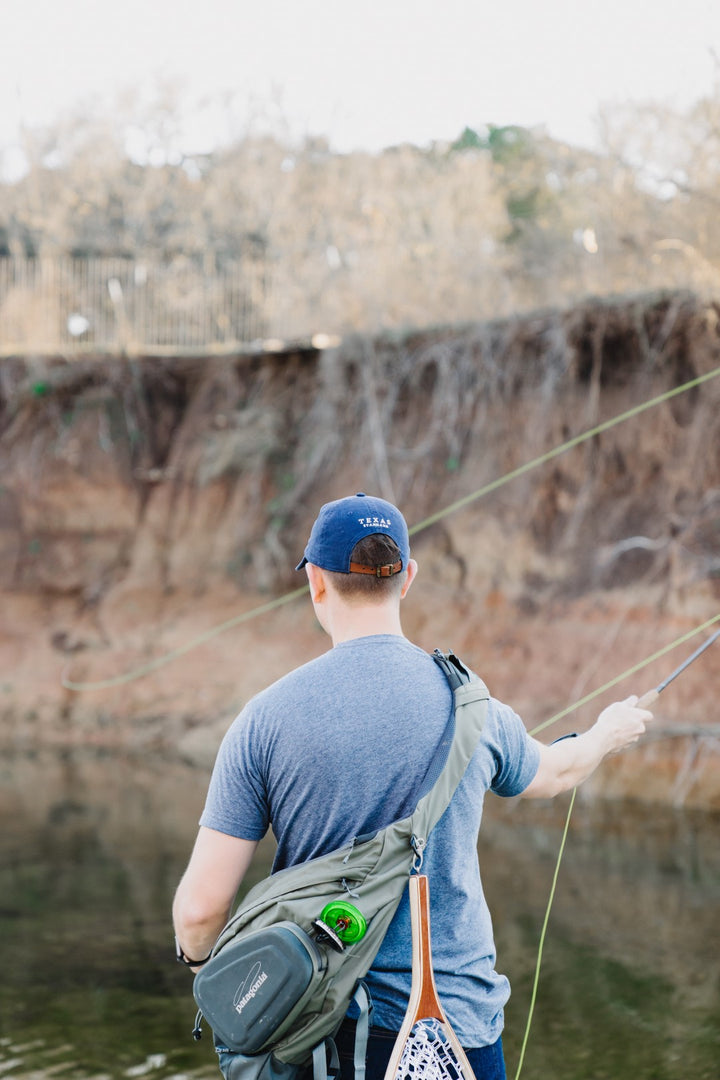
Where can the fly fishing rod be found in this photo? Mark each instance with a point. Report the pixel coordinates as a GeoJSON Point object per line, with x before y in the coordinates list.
{"type": "Point", "coordinates": [646, 700]}
{"type": "Point", "coordinates": [651, 695]}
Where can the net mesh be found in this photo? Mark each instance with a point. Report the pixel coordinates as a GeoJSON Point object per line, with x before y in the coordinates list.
{"type": "Point", "coordinates": [428, 1055]}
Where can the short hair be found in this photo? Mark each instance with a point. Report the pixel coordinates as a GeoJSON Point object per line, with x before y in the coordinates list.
{"type": "Point", "coordinates": [376, 549]}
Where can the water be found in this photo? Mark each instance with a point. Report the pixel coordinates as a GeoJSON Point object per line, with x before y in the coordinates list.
{"type": "Point", "coordinates": [92, 847]}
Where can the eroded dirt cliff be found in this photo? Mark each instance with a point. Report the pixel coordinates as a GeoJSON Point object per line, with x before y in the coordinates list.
{"type": "Point", "coordinates": [143, 503]}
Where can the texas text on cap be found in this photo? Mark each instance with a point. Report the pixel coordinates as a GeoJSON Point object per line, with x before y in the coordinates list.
{"type": "Point", "coordinates": [340, 525]}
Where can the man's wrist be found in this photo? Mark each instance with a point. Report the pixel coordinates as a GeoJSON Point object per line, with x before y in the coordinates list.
{"type": "Point", "coordinates": [182, 958]}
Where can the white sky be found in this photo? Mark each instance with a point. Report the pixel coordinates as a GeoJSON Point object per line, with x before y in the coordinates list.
{"type": "Point", "coordinates": [366, 74]}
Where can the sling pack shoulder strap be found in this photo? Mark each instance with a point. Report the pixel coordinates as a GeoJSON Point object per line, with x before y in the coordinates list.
{"type": "Point", "coordinates": [464, 727]}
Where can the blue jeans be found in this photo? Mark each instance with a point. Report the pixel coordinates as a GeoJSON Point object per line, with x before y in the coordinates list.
{"type": "Point", "coordinates": [487, 1062]}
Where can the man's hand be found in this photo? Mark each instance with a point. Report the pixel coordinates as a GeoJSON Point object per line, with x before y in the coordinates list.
{"type": "Point", "coordinates": [622, 723]}
{"type": "Point", "coordinates": [565, 764]}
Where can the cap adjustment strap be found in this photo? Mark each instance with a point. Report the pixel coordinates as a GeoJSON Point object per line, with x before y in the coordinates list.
{"type": "Point", "coordinates": [388, 570]}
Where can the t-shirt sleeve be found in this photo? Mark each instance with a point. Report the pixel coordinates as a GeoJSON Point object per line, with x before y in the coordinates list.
{"type": "Point", "coordinates": [517, 756]}
{"type": "Point", "coordinates": [236, 803]}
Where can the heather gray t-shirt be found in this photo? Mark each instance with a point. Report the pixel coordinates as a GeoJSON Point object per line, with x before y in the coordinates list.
{"type": "Point", "coordinates": [338, 748]}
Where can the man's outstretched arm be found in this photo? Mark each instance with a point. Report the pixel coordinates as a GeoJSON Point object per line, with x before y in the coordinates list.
{"type": "Point", "coordinates": [565, 764]}
{"type": "Point", "coordinates": [206, 892]}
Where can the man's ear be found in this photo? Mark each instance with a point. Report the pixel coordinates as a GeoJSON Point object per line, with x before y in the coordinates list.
{"type": "Point", "coordinates": [412, 568]}
{"type": "Point", "coordinates": [316, 580]}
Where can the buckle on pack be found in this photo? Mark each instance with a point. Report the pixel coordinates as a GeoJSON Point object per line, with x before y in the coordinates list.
{"type": "Point", "coordinates": [417, 843]}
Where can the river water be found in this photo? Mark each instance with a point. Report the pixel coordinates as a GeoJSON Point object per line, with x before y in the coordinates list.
{"type": "Point", "coordinates": [93, 844]}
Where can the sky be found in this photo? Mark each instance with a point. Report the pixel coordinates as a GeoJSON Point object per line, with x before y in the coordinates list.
{"type": "Point", "coordinates": [365, 75]}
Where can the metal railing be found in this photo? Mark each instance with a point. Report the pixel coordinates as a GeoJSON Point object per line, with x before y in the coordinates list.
{"type": "Point", "coordinates": [121, 305]}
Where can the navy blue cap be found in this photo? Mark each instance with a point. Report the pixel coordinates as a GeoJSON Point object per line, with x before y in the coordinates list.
{"type": "Point", "coordinates": [340, 525]}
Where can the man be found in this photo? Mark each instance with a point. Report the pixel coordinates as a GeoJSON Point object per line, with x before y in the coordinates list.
{"type": "Point", "coordinates": [339, 747]}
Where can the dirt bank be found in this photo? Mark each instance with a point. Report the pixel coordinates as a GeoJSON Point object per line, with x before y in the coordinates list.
{"type": "Point", "coordinates": [146, 502]}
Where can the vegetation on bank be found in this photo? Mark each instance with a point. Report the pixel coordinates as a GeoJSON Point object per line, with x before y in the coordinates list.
{"type": "Point", "coordinates": [497, 220]}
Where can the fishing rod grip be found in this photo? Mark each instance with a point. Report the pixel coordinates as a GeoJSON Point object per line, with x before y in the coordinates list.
{"type": "Point", "coordinates": [647, 699]}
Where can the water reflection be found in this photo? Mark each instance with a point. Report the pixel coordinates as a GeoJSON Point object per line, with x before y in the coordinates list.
{"type": "Point", "coordinates": [630, 984]}
{"type": "Point", "coordinates": [93, 845]}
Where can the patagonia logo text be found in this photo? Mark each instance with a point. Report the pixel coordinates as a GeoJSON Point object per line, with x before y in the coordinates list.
{"type": "Point", "coordinates": [247, 991]}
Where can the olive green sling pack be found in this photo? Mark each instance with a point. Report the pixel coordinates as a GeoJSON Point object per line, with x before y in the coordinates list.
{"type": "Point", "coordinates": [280, 979]}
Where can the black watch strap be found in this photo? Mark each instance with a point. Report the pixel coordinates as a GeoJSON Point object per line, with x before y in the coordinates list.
{"type": "Point", "coordinates": [183, 959]}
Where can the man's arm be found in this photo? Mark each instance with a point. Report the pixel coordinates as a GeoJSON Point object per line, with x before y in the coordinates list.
{"type": "Point", "coordinates": [565, 764]}
{"type": "Point", "coordinates": [208, 887]}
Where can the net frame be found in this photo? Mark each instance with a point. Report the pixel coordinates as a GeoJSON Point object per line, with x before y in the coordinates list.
{"type": "Point", "coordinates": [426, 1048]}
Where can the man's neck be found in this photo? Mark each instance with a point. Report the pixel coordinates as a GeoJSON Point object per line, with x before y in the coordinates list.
{"type": "Point", "coordinates": [350, 621]}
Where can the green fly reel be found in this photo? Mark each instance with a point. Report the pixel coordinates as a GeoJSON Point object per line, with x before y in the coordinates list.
{"type": "Point", "coordinates": [340, 924]}
{"type": "Point", "coordinates": [345, 919]}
